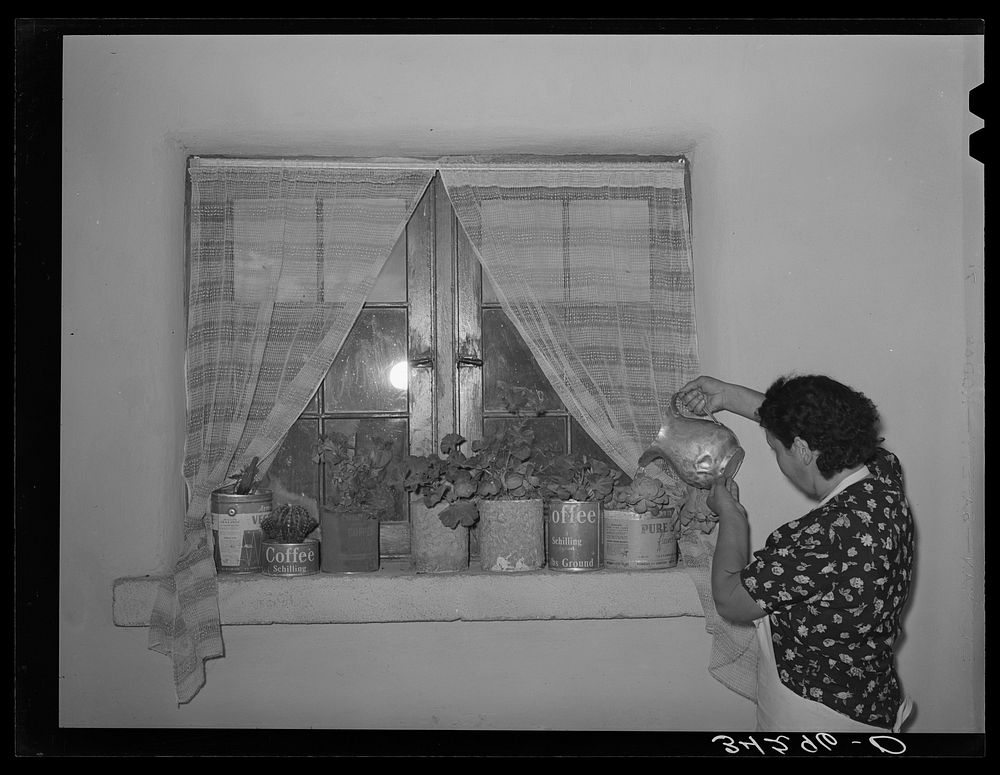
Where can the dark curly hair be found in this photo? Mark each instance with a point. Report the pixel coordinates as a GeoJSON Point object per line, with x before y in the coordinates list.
{"type": "Point", "coordinates": [838, 422]}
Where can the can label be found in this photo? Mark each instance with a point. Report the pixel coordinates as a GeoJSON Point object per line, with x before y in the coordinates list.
{"type": "Point", "coordinates": [574, 535]}
{"type": "Point", "coordinates": [300, 559]}
{"type": "Point", "coordinates": [236, 528]}
{"type": "Point", "coordinates": [638, 542]}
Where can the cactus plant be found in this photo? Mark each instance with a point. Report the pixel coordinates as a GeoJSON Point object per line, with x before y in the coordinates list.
{"type": "Point", "coordinates": [288, 524]}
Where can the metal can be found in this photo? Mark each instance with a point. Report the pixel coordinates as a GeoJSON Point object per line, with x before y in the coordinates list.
{"type": "Point", "coordinates": [350, 540]}
{"type": "Point", "coordinates": [638, 541]}
{"type": "Point", "coordinates": [297, 559]}
{"type": "Point", "coordinates": [236, 530]}
{"type": "Point", "coordinates": [574, 535]}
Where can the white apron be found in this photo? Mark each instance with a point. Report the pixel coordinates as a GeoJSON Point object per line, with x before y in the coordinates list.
{"type": "Point", "coordinates": [779, 709]}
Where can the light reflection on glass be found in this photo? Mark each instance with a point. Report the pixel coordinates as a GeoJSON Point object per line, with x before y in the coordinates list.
{"type": "Point", "coordinates": [398, 375]}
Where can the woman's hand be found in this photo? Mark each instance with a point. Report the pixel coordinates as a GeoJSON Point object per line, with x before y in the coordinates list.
{"type": "Point", "coordinates": [703, 395]}
{"type": "Point", "coordinates": [706, 395]}
{"type": "Point", "coordinates": [724, 498]}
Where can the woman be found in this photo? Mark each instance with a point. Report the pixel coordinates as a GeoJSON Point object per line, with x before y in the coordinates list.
{"type": "Point", "coordinates": [827, 591]}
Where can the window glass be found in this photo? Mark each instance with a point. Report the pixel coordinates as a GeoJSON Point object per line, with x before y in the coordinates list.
{"type": "Point", "coordinates": [489, 292]}
{"type": "Point", "coordinates": [550, 432]}
{"type": "Point", "coordinates": [390, 287]}
{"type": "Point", "coordinates": [293, 463]}
{"type": "Point", "coordinates": [584, 444]}
{"type": "Point", "coordinates": [380, 215]}
{"type": "Point", "coordinates": [511, 377]}
{"type": "Point", "coordinates": [369, 372]}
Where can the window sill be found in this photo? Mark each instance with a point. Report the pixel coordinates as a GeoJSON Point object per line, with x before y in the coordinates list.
{"type": "Point", "coordinates": [396, 594]}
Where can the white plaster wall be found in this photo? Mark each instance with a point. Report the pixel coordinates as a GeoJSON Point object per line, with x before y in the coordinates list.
{"type": "Point", "coordinates": [838, 221]}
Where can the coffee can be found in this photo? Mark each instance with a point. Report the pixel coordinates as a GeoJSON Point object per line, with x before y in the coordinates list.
{"type": "Point", "coordinates": [237, 532]}
{"type": "Point", "coordinates": [295, 559]}
{"type": "Point", "coordinates": [574, 535]}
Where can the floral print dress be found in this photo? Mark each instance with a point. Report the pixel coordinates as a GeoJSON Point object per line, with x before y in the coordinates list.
{"type": "Point", "coordinates": [834, 584]}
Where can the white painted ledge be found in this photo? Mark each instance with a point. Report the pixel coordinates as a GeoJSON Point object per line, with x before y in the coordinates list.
{"type": "Point", "coordinates": [396, 594]}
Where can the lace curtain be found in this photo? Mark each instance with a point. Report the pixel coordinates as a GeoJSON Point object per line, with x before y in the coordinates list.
{"type": "Point", "coordinates": [593, 265]}
{"type": "Point", "coordinates": [281, 261]}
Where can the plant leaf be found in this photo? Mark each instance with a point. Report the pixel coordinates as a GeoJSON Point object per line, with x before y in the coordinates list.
{"type": "Point", "coordinates": [460, 513]}
{"type": "Point", "coordinates": [451, 443]}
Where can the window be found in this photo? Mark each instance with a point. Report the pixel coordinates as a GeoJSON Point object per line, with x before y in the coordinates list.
{"type": "Point", "coordinates": [432, 350]}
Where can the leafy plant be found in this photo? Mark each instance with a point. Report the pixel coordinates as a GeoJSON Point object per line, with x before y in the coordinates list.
{"type": "Point", "coordinates": [356, 478]}
{"type": "Point", "coordinates": [575, 476]}
{"type": "Point", "coordinates": [694, 513]}
{"type": "Point", "coordinates": [509, 464]}
{"type": "Point", "coordinates": [451, 479]}
{"type": "Point", "coordinates": [645, 495]}
{"type": "Point", "coordinates": [506, 465]}
{"type": "Point", "coordinates": [245, 481]}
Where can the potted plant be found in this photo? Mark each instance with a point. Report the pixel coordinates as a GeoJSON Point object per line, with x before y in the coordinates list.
{"type": "Point", "coordinates": [694, 515]}
{"type": "Point", "coordinates": [238, 509]}
{"type": "Point", "coordinates": [576, 485]}
{"type": "Point", "coordinates": [359, 491]}
{"type": "Point", "coordinates": [508, 466]}
{"type": "Point", "coordinates": [443, 508]}
{"type": "Point", "coordinates": [641, 524]}
{"type": "Point", "coordinates": [288, 549]}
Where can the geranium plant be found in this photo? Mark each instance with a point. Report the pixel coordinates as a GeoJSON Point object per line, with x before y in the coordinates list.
{"type": "Point", "coordinates": [450, 479]}
{"type": "Point", "coordinates": [644, 495]}
{"type": "Point", "coordinates": [506, 465]}
{"type": "Point", "coordinates": [579, 477]}
{"type": "Point", "coordinates": [357, 479]}
{"type": "Point", "coordinates": [694, 513]}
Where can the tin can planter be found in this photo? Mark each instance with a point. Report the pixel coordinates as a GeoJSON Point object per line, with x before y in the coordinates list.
{"type": "Point", "coordinates": [236, 530]}
{"type": "Point", "coordinates": [638, 541]}
{"type": "Point", "coordinates": [574, 535]}
{"type": "Point", "coordinates": [298, 559]}
{"type": "Point", "coordinates": [350, 540]}
{"type": "Point", "coordinates": [511, 535]}
{"type": "Point", "coordinates": [434, 547]}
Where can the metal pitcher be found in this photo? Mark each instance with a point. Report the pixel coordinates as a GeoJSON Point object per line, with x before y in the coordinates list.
{"type": "Point", "coordinates": [699, 450]}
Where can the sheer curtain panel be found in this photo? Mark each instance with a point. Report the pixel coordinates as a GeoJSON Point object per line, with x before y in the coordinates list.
{"type": "Point", "coordinates": [282, 258]}
{"type": "Point", "coordinates": [593, 264]}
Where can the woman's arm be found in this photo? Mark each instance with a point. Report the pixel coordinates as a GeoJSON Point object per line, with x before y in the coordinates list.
{"type": "Point", "coordinates": [732, 553]}
{"type": "Point", "coordinates": [707, 394]}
